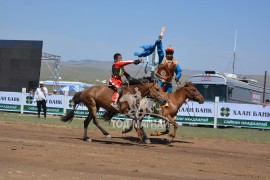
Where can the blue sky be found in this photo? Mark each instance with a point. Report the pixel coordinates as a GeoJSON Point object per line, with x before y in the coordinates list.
{"type": "Point", "coordinates": [201, 31]}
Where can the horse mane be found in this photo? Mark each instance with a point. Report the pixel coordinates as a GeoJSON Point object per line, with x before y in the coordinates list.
{"type": "Point", "coordinates": [187, 84]}
{"type": "Point", "coordinates": [143, 80]}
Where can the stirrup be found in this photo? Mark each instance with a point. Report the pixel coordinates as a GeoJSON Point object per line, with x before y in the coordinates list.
{"type": "Point", "coordinates": [115, 105]}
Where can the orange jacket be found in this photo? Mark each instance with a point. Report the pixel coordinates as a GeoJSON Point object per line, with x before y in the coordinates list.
{"type": "Point", "coordinates": [165, 70]}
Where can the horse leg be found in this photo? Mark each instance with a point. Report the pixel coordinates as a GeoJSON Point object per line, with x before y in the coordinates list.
{"type": "Point", "coordinates": [145, 137]}
{"type": "Point", "coordinates": [126, 130]}
{"type": "Point", "coordinates": [86, 123]}
{"type": "Point", "coordinates": [175, 126]}
{"type": "Point", "coordinates": [157, 133]}
{"type": "Point", "coordinates": [95, 121]}
{"type": "Point", "coordinates": [139, 130]}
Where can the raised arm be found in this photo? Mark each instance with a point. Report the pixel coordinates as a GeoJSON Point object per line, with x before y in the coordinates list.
{"type": "Point", "coordinates": [160, 50]}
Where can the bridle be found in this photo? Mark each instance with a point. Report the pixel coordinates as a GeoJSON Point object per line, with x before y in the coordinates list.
{"type": "Point", "coordinates": [192, 94]}
{"type": "Point", "coordinates": [155, 94]}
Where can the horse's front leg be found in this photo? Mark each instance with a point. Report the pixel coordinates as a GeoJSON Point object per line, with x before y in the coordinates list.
{"type": "Point", "coordinates": [145, 137]}
{"type": "Point", "coordinates": [175, 126]}
{"type": "Point", "coordinates": [137, 127]}
{"type": "Point", "coordinates": [158, 133]}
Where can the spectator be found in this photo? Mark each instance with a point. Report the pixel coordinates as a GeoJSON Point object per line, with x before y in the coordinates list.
{"type": "Point", "coordinates": [40, 97]}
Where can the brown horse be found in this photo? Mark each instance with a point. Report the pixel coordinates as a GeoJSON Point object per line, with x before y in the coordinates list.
{"type": "Point", "coordinates": [100, 96]}
{"type": "Point", "coordinates": [176, 100]}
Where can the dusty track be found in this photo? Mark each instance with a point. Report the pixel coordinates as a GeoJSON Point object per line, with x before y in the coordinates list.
{"type": "Point", "coordinates": [32, 151]}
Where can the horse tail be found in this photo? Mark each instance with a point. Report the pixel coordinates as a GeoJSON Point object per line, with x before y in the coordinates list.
{"type": "Point", "coordinates": [76, 101]}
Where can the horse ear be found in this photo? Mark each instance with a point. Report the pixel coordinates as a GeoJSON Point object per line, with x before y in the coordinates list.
{"type": "Point", "coordinates": [189, 83]}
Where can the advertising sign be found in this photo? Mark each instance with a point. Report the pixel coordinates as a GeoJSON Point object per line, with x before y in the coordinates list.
{"type": "Point", "coordinates": [244, 115]}
{"type": "Point", "coordinates": [10, 101]}
{"type": "Point", "coordinates": [195, 113]}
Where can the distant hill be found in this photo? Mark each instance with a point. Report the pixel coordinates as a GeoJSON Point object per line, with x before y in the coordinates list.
{"type": "Point", "coordinates": [89, 70]}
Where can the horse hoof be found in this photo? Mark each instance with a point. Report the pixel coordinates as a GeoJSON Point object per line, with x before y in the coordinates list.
{"type": "Point", "coordinates": [108, 136]}
{"type": "Point", "coordinates": [147, 141]}
{"type": "Point", "coordinates": [87, 139]}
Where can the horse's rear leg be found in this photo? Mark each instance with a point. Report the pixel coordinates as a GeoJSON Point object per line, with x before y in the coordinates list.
{"type": "Point", "coordinates": [126, 130]}
{"type": "Point", "coordinates": [86, 123]}
{"type": "Point", "coordinates": [95, 121]}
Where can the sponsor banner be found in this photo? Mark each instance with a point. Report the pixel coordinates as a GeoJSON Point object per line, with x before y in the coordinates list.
{"type": "Point", "coordinates": [195, 109]}
{"type": "Point", "coordinates": [195, 120]}
{"type": "Point", "coordinates": [121, 116]}
{"type": "Point", "coordinates": [244, 111]}
{"type": "Point", "coordinates": [243, 115]}
{"type": "Point", "coordinates": [13, 98]}
{"type": "Point", "coordinates": [84, 113]}
{"type": "Point", "coordinates": [81, 110]}
{"type": "Point", "coordinates": [10, 101]}
{"type": "Point", "coordinates": [69, 104]}
{"type": "Point", "coordinates": [244, 123]}
{"type": "Point", "coordinates": [195, 113]}
{"type": "Point", "coordinates": [229, 114]}
{"type": "Point", "coordinates": [55, 101]}
{"type": "Point", "coordinates": [50, 110]}
{"type": "Point", "coordinates": [55, 104]}
{"type": "Point", "coordinates": [79, 113]}
{"type": "Point", "coordinates": [10, 107]}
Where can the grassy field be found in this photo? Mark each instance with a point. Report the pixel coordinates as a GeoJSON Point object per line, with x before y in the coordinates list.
{"type": "Point", "coordinates": [184, 132]}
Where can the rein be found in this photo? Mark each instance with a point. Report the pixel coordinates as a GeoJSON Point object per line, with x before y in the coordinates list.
{"type": "Point", "coordinates": [139, 69]}
{"type": "Point", "coordinates": [150, 91]}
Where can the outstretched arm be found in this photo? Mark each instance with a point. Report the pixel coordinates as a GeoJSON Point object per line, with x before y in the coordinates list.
{"type": "Point", "coordinates": [120, 64]}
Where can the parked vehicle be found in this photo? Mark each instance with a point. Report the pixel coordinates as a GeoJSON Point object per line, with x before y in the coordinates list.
{"type": "Point", "coordinates": [228, 88]}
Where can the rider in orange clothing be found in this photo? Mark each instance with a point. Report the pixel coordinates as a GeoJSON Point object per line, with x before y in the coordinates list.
{"type": "Point", "coordinates": [118, 71]}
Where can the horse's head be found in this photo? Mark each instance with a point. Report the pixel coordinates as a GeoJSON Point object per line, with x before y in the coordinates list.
{"type": "Point", "coordinates": [193, 93]}
{"type": "Point", "coordinates": [154, 91]}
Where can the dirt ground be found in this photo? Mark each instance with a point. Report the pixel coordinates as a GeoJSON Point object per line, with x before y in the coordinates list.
{"type": "Point", "coordinates": [34, 151]}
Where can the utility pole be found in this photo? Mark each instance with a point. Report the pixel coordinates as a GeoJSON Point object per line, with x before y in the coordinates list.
{"type": "Point", "coordinates": [264, 85]}
{"type": "Point", "coordinates": [234, 52]}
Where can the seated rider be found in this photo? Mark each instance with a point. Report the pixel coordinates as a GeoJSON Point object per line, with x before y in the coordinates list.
{"type": "Point", "coordinates": [167, 65]}
{"type": "Point", "coordinates": [118, 71]}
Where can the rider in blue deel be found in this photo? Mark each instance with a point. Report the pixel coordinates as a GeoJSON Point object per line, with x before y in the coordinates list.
{"type": "Point", "coordinates": [167, 65]}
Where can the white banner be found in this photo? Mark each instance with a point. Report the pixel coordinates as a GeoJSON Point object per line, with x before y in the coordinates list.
{"type": "Point", "coordinates": [10, 101]}
{"type": "Point", "coordinates": [10, 98]}
{"type": "Point", "coordinates": [195, 109]}
{"type": "Point", "coordinates": [244, 111]}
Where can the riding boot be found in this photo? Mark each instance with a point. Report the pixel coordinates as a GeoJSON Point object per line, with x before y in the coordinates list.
{"type": "Point", "coordinates": [156, 108]}
{"type": "Point", "coordinates": [114, 104]}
